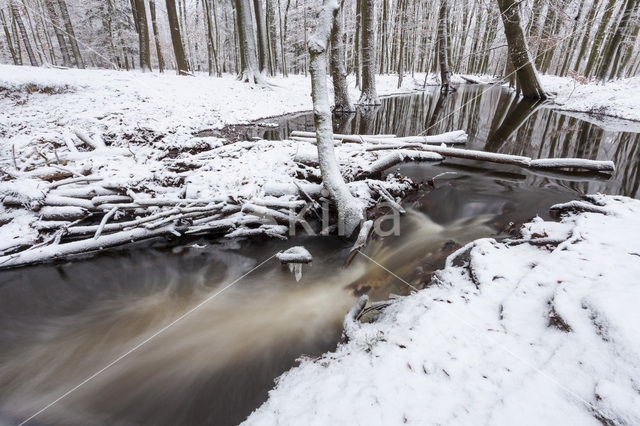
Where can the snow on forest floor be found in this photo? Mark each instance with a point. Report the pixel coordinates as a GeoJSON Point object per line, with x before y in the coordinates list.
{"type": "Point", "coordinates": [542, 333]}
{"type": "Point", "coordinates": [620, 98]}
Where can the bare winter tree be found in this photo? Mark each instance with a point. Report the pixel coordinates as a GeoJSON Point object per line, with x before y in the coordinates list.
{"type": "Point", "coordinates": [338, 67]}
{"type": "Point", "coordinates": [140, 14]}
{"type": "Point", "coordinates": [350, 211]}
{"type": "Point", "coordinates": [443, 48]}
{"type": "Point", "coordinates": [527, 79]}
{"type": "Point", "coordinates": [250, 69]}
{"type": "Point", "coordinates": [64, 13]}
{"type": "Point", "coordinates": [261, 35]}
{"type": "Point", "coordinates": [176, 39]}
{"type": "Point", "coordinates": [369, 94]}
{"type": "Point", "coordinates": [7, 35]}
{"type": "Point", "coordinates": [57, 28]}
{"type": "Point", "coordinates": [156, 35]}
{"type": "Point", "coordinates": [23, 33]}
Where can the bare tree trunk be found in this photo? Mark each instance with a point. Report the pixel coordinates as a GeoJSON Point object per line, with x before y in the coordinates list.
{"type": "Point", "coordinates": [338, 67]}
{"type": "Point", "coordinates": [176, 39]}
{"type": "Point", "coordinates": [608, 65]}
{"type": "Point", "coordinates": [273, 36]}
{"type": "Point", "coordinates": [369, 95]}
{"type": "Point", "coordinates": [283, 36]}
{"type": "Point", "coordinates": [23, 34]}
{"type": "Point", "coordinates": [143, 36]}
{"type": "Point", "coordinates": [53, 17]}
{"type": "Point", "coordinates": [7, 34]}
{"type": "Point", "coordinates": [526, 74]}
{"type": "Point", "coordinates": [64, 13]}
{"type": "Point", "coordinates": [599, 38]}
{"type": "Point", "coordinates": [250, 71]}
{"type": "Point", "coordinates": [357, 44]}
{"type": "Point", "coordinates": [350, 212]}
{"type": "Point", "coordinates": [156, 36]}
{"type": "Point", "coordinates": [443, 57]}
{"type": "Point", "coordinates": [261, 34]}
{"type": "Point", "coordinates": [213, 54]}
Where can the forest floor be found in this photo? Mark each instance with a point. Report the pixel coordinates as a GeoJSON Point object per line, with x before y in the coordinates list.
{"type": "Point", "coordinates": [537, 331]}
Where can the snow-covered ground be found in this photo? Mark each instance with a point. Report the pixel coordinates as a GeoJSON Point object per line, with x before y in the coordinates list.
{"type": "Point", "coordinates": [620, 98]}
{"type": "Point", "coordinates": [514, 333]}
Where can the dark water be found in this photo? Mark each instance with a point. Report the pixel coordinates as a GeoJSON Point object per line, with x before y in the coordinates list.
{"type": "Point", "coordinates": [61, 323]}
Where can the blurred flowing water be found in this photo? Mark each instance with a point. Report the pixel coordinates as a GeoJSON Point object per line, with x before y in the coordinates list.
{"type": "Point", "coordinates": [61, 323]}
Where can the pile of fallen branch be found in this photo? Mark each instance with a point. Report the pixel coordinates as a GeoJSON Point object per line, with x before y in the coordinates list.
{"type": "Point", "coordinates": [77, 209]}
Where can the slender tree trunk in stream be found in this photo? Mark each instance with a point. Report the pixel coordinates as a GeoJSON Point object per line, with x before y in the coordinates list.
{"type": "Point", "coordinates": [350, 212]}
{"type": "Point", "coordinates": [526, 74]}
{"type": "Point", "coordinates": [369, 94]}
{"type": "Point", "coordinates": [443, 57]}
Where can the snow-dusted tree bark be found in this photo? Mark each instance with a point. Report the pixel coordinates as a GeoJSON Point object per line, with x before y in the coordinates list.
{"type": "Point", "coordinates": [250, 69]}
{"type": "Point", "coordinates": [23, 33]}
{"type": "Point", "coordinates": [261, 35]}
{"type": "Point", "coordinates": [64, 13]}
{"type": "Point", "coordinates": [596, 46]}
{"type": "Point", "coordinates": [7, 35]}
{"type": "Point", "coordinates": [369, 94]}
{"type": "Point", "coordinates": [57, 28]}
{"type": "Point", "coordinates": [156, 35]}
{"type": "Point", "coordinates": [338, 67]}
{"type": "Point", "coordinates": [143, 35]}
{"type": "Point", "coordinates": [176, 39]}
{"type": "Point", "coordinates": [526, 74]}
{"type": "Point", "coordinates": [611, 55]}
{"type": "Point", "coordinates": [350, 211]}
{"type": "Point", "coordinates": [443, 50]}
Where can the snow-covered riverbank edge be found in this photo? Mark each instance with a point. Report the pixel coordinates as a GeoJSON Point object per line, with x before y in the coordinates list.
{"type": "Point", "coordinates": [617, 98]}
{"type": "Point", "coordinates": [541, 330]}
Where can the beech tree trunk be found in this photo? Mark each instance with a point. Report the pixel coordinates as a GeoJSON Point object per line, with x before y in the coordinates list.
{"type": "Point", "coordinates": [156, 36]}
{"type": "Point", "coordinates": [443, 56]}
{"type": "Point", "coordinates": [23, 34]}
{"type": "Point", "coordinates": [176, 39]}
{"type": "Point", "coordinates": [261, 34]}
{"type": "Point", "coordinates": [369, 94]}
{"type": "Point", "coordinates": [143, 36]}
{"type": "Point", "coordinates": [64, 13]}
{"type": "Point", "coordinates": [7, 35]}
{"type": "Point", "coordinates": [609, 62]}
{"type": "Point", "coordinates": [526, 74]}
{"type": "Point", "coordinates": [349, 212]}
{"type": "Point", "coordinates": [338, 67]}
{"type": "Point", "coordinates": [250, 72]}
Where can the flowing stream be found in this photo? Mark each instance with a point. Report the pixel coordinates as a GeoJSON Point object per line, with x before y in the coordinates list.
{"type": "Point", "coordinates": [62, 323]}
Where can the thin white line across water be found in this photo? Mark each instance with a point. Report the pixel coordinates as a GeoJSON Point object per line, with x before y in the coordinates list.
{"type": "Point", "coordinates": [142, 343]}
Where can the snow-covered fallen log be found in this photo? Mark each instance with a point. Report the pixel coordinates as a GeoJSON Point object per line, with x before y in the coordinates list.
{"type": "Point", "coordinates": [56, 251]}
{"type": "Point", "coordinates": [455, 137]}
{"type": "Point", "coordinates": [573, 163]}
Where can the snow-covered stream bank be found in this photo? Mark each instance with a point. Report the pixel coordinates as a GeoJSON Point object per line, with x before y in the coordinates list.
{"type": "Point", "coordinates": [541, 330]}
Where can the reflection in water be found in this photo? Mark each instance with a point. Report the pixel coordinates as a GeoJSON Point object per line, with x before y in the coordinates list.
{"type": "Point", "coordinates": [496, 120]}
{"type": "Point", "coordinates": [61, 323]}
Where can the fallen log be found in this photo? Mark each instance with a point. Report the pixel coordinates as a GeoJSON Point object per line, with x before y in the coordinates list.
{"type": "Point", "coordinates": [57, 251]}
{"type": "Point", "coordinates": [62, 213]}
{"type": "Point", "coordinates": [398, 157]}
{"type": "Point", "coordinates": [455, 137]}
{"type": "Point", "coordinates": [573, 163]}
